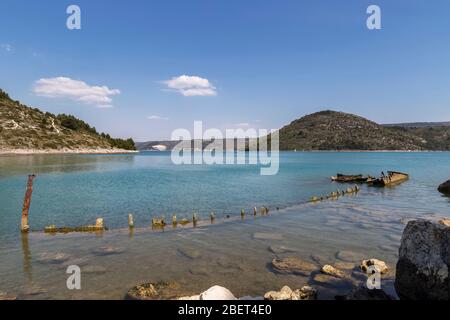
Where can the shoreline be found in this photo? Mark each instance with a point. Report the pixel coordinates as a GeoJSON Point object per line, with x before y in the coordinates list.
{"type": "Point", "coordinates": [65, 151]}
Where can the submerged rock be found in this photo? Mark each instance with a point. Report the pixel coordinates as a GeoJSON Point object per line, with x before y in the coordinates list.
{"type": "Point", "coordinates": [33, 290]}
{"type": "Point", "coordinates": [332, 271]}
{"type": "Point", "coordinates": [156, 291]}
{"type": "Point", "coordinates": [53, 258]}
{"type": "Point", "coordinates": [293, 265]}
{"type": "Point", "coordinates": [422, 271]}
{"type": "Point", "coordinates": [286, 293]}
{"type": "Point", "coordinates": [348, 256]}
{"type": "Point", "coordinates": [5, 296]}
{"type": "Point", "coordinates": [199, 271]}
{"type": "Point", "coordinates": [107, 250]}
{"type": "Point", "coordinates": [189, 253]}
{"type": "Point", "coordinates": [320, 259]}
{"type": "Point", "coordinates": [93, 270]}
{"type": "Point", "coordinates": [281, 249]}
{"type": "Point", "coordinates": [267, 236]}
{"type": "Point", "coordinates": [379, 265]}
{"type": "Point", "coordinates": [445, 188]}
{"type": "Point", "coordinates": [344, 265]}
{"type": "Point", "coordinates": [329, 281]}
{"type": "Point", "coordinates": [363, 293]}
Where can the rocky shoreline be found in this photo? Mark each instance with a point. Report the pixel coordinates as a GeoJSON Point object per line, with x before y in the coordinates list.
{"type": "Point", "coordinates": [421, 273]}
{"type": "Point", "coordinates": [64, 151]}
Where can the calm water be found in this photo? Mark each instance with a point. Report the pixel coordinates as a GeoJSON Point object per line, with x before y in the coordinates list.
{"type": "Point", "coordinates": [74, 190]}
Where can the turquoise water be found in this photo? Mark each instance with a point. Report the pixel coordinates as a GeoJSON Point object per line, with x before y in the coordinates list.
{"type": "Point", "coordinates": [74, 190]}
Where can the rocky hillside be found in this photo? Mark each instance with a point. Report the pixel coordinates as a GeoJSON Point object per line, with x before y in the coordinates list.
{"type": "Point", "coordinates": [435, 135]}
{"type": "Point", "coordinates": [22, 127]}
{"type": "Point", "coordinates": [331, 130]}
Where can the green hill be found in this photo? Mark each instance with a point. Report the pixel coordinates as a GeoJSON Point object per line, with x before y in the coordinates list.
{"type": "Point", "coordinates": [22, 127]}
{"type": "Point", "coordinates": [331, 130]}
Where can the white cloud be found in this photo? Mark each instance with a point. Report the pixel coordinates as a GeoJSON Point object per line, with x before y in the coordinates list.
{"type": "Point", "coordinates": [62, 87]}
{"type": "Point", "coordinates": [7, 47]}
{"type": "Point", "coordinates": [243, 124]}
{"type": "Point", "coordinates": [155, 117]}
{"type": "Point", "coordinates": [190, 86]}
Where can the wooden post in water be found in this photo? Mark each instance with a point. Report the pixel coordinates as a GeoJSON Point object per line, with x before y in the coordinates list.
{"type": "Point", "coordinates": [130, 221]}
{"type": "Point", "coordinates": [255, 211]}
{"type": "Point", "coordinates": [26, 204]}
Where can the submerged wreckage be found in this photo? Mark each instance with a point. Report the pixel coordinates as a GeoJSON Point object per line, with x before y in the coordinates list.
{"type": "Point", "coordinates": [392, 177]}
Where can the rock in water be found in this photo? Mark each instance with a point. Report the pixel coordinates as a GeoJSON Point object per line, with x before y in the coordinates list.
{"type": "Point", "coordinates": [213, 293]}
{"type": "Point", "coordinates": [332, 271]}
{"type": "Point", "coordinates": [379, 265]}
{"type": "Point", "coordinates": [217, 293]}
{"type": "Point", "coordinates": [281, 249]}
{"type": "Point", "coordinates": [445, 188]}
{"type": "Point", "coordinates": [5, 296]}
{"type": "Point", "coordinates": [293, 265]}
{"type": "Point", "coordinates": [156, 291]}
{"type": "Point", "coordinates": [286, 293]}
{"type": "Point", "coordinates": [423, 265]}
{"type": "Point", "coordinates": [53, 258]}
{"type": "Point", "coordinates": [445, 222]}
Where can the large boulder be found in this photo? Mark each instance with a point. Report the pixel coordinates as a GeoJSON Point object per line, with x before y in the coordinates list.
{"type": "Point", "coordinates": [424, 259]}
{"type": "Point", "coordinates": [445, 188]}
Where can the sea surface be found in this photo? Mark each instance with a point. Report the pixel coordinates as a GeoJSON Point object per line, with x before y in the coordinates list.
{"type": "Point", "coordinates": [235, 252]}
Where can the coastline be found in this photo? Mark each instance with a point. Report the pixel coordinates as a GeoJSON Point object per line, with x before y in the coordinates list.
{"type": "Point", "coordinates": [65, 151]}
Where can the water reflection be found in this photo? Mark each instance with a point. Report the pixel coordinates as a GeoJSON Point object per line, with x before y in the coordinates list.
{"type": "Point", "coordinates": [59, 163]}
{"type": "Point", "coordinates": [26, 257]}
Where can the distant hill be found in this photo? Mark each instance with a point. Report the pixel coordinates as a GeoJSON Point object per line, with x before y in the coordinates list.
{"type": "Point", "coordinates": [22, 127]}
{"type": "Point", "coordinates": [419, 124]}
{"type": "Point", "coordinates": [332, 130]}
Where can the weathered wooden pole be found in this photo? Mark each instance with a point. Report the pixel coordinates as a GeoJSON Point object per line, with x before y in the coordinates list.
{"type": "Point", "coordinates": [130, 221]}
{"type": "Point", "coordinates": [26, 204]}
{"type": "Point", "coordinates": [255, 211]}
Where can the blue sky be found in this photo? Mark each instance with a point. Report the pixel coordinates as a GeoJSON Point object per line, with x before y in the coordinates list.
{"type": "Point", "coordinates": [261, 63]}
